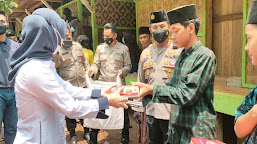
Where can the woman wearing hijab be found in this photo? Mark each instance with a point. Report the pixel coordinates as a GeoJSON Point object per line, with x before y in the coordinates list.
{"type": "Point", "coordinates": [42, 97]}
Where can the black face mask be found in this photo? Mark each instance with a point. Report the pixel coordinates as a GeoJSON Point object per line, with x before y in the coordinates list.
{"type": "Point", "coordinates": [108, 40]}
{"type": "Point", "coordinates": [160, 35]}
{"type": "Point", "coordinates": [2, 28]}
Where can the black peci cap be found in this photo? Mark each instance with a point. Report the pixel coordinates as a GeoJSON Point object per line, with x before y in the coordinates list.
{"type": "Point", "coordinates": [143, 30]}
{"type": "Point", "coordinates": [252, 15]}
{"type": "Point", "coordinates": [183, 13]}
{"type": "Point", "coordinates": [159, 16]}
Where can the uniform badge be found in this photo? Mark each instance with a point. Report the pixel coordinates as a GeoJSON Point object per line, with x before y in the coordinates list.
{"type": "Point", "coordinates": [145, 65]}
{"type": "Point", "coordinates": [148, 72]}
{"type": "Point", "coordinates": [118, 63]}
{"type": "Point", "coordinates": [169, 71]}
{"type": "Point", "coordinates": [148, 53]}
{"type": "Point", "coordinates": [152, 17]}
{"type": "Point", "coordinates": [165, 63]}
{"type": "Point", "coordinates": [171, 52]}
{"type": "Point", "coordinates": [172, 63]}
{"type": "Point", "coordinates": [79, 54]}
{"type": "Point", "coordinates": [66, 57]}
{"type": "Point", "coordinates": [151, 63]}
{"type": "Point", "coordinates": [154, 45]}
{"type": "Point", "coordinates": [168, 43]}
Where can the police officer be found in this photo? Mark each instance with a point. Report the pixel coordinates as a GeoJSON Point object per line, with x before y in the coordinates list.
{"type": "Point", "coordinates": [70, 61]}
{"type": "Point", "coordinates": [112, 59]}
{"type": "Point", "coordinates": [155, 67]}
{"type": "Point", "coordinates": [145, 37]}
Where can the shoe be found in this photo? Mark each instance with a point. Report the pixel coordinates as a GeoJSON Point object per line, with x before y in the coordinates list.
{"type": "Point", "coordinates": [124, 140]}
{"type": "Point", "coordinates": [73, 140]}
{"type": "Point", "coordinates": [86, 136]}
{"type": "Point", "coordinates": [93, 138]}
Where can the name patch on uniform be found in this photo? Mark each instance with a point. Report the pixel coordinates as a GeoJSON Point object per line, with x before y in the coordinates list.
{"type": "Point", "coordinates": [65, 53]}
{"type": "Point", "coordinates": [171, 52]}
{"type": "Point", "coordinates": [170, 56]}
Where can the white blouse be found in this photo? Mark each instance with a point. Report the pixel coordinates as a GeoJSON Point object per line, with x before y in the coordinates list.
{"type": "Point", "coordinates": [42, 100]}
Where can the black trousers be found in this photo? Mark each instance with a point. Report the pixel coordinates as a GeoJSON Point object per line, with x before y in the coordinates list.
{"type": "Point", "coordinates": [157, 130]}
{"type": "Point", "coordinates": [71, 125]}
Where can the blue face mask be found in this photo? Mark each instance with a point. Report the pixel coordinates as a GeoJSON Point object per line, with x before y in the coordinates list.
{"type": "Point", "coordinates": [72, 29]}
{"type": "Point", "coordinates": [123, 40]}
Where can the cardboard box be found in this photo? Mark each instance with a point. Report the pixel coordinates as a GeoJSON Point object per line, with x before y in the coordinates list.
{"type": "Point", "coordinates": [130, 91]}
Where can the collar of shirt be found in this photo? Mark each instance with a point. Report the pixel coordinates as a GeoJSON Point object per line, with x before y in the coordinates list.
{"type": "Point", "coordinates": [3, 44]}
{"type": "Point", "coordinates": [190, 50]}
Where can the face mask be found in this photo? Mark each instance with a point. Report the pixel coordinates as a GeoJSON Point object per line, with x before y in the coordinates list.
{"type": "Point", "coordinates": [108, 40]}
{"type": "Point", "coordinates": [72, 29]}
{"type": "Point", "coordinates": [160, 35]}
{"type": "Point", "coordinates": [2, 29]}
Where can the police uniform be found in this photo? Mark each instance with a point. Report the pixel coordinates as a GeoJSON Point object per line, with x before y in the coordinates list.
{"type": "Point", "coordinates": [156, 66]}
{"type": "Point", "coordinates": [70, 62]}
{"type": "Point", "coordinates": [109, 60]}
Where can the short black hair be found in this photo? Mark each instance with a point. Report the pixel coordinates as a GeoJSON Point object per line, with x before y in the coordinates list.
{"type": "Point", "coordinates": [10, 32]}
{"type": "Point", "coordinates": [67, 12]}
{"type": "Point", "coordinates": [3, 13]}
{"type": "Point", "coordinates": [84, 41]}
{"type": "Point", "coordinates": [196, 22]}
{"type": "Point", "coordinates": [110, 26]}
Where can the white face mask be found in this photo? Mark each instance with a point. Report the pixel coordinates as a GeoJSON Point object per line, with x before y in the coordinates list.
{"type": "Point", "coordinates": [58, 47]}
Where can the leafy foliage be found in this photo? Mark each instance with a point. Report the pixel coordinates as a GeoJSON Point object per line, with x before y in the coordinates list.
{"type": "Point", "coordinates": [7, 5]}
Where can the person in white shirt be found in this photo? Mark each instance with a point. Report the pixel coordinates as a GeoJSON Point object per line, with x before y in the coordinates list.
{"type": "Point", "coordinates": [42, 97]}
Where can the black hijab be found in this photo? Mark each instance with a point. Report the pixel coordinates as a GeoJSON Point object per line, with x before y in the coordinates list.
{"type": "Point", "coordinates": [40, 38]}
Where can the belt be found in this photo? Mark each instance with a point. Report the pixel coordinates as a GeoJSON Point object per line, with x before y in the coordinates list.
{"type": "Point", "coordinates": [6, 87]}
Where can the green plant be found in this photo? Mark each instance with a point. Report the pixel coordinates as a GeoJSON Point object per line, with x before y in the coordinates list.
{"type": "Point", "coordinates": [7, 5]}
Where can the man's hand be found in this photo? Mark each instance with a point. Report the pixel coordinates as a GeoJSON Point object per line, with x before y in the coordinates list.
{"type": "Point", "coordinates": [106, 92]}
{"type": "Point", "coordinates": [91, 72]}
{"type": "Point", "coordinates": [120, 73]}
{"type": "Point", "coordinates": [116, 100]}
{"type": "Point", "coordinates": [144, 89]}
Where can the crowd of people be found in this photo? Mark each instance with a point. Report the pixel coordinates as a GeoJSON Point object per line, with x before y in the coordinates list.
{"type": "Point", "coordinates": [43, 83]}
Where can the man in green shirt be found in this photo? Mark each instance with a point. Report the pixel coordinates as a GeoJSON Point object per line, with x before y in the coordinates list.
{"type": "Point", "coordinates": [191, 85]}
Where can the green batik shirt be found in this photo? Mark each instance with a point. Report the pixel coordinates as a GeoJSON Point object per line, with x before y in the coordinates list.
{"type": "Point", "coordinates": [191, 88]}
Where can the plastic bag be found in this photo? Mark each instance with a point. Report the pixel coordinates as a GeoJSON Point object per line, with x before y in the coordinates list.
{"type": "Point", "coordinates": [116, 115]}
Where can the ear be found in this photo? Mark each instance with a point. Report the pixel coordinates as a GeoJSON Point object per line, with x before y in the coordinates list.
{"type": "Point", "coordinates": [191, 27]}
{"type": "Point", "coordinates": [115, 35]}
